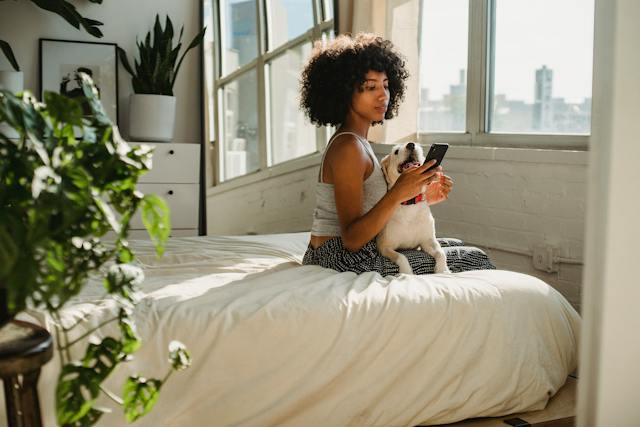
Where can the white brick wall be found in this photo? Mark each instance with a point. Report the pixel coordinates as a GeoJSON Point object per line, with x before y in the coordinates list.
{"type": "Point", "coordinates": [279, 204]}
{"type": "Point", "coordinates": [508, 200]}
{"type": "Point", "coordinates": [504, 200]}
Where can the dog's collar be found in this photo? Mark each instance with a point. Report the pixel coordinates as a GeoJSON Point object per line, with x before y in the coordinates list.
{"type": "Point", "coordinates": [419, 198]}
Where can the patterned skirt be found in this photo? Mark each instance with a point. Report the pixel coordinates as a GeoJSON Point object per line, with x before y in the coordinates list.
{"type": "Point", "coordinates": [332, 254]}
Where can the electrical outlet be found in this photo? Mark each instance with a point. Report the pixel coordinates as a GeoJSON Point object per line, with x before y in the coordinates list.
{"type": "Point", "coordinates": [544, 258]}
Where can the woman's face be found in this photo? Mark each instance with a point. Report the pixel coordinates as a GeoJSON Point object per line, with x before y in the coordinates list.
{"type": "Point", "coordinates": [370, 100]}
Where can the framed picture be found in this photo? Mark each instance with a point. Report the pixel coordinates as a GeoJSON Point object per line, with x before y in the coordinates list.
{"type": "Point", "coordinates": [61, 60]}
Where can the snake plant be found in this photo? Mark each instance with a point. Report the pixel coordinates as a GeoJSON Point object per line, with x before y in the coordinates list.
{"type": "Point", "coordinates": [156, 71]}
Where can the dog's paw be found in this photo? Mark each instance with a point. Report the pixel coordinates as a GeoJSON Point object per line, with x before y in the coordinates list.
{"type": "Point", "coordinates": [442, 270]}
{"type": "Point", "coordinates": [405, 269]}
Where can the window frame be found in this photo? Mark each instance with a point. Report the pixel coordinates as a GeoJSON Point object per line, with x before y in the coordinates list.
{"type": "Point", "coordinates": [259, 64]}
{"type": "Point", "coordinates": [480, 63]}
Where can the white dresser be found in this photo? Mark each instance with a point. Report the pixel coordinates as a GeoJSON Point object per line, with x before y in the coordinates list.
{"type": "Point", "coordinates": [174, 176]}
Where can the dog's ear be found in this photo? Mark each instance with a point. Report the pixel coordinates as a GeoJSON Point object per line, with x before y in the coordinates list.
{"type": "Point", "coordinates": [384, 163]}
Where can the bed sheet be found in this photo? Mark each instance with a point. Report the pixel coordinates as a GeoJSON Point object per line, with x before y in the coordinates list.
{"type": "Point", "coordinates": [275, 343]}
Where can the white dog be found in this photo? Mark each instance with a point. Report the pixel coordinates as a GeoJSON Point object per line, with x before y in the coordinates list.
{"type": "Point", "coordinates": [411, 225]}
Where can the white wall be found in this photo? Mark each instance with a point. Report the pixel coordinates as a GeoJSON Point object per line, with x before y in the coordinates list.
{"type": "Point", "coordinates": [22, 24]}
{"type": "Point", "coordinates": [610, 348]}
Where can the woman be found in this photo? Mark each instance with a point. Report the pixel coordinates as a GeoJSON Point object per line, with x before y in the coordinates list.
{"type": "Point", "coordinates": [355, 83]}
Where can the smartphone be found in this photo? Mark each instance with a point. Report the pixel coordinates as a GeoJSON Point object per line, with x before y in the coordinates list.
{"type": "Point", "coordinates": [437, 152]}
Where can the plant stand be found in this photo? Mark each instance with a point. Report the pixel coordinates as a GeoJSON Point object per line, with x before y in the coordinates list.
{"type": "Point", "coordinates": [24, 348]}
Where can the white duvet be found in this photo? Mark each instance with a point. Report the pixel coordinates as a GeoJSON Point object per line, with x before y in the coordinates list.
{"type": "Point", "coordinates": [275, 343]}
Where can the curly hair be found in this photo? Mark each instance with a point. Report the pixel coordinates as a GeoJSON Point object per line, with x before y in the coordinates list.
{"type": "Point", "coordinates": [336, 67]}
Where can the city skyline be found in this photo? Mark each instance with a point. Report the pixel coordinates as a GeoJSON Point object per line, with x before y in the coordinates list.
{"type": "Point", "coordinates": [547, 113]}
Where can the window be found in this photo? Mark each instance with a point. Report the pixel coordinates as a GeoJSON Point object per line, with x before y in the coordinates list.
{"type": "Point", "coordinates": [291, 134]}
{"type": "Point", "coordinates": [444, 33]}
{"type": "Point", "coordinates": [239, 35]}
{"type": "Point", "coordinates": [506, 72]}
{"type": "Point", "coordinates": [240, 126]}
{"type": "Point", "coordinates": [252, 73]}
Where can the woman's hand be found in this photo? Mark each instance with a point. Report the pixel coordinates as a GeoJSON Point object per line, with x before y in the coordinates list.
{"type": "Point", "coordinates": [411, 181]}
{"type": "Point", "coordinates": [439, 190]}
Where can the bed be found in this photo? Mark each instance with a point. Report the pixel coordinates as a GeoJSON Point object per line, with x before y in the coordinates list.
{"type": "Point", "coordinates": [275, 343]}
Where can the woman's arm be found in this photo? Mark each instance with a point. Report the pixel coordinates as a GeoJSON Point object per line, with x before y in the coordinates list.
{"type": "Point", "coordinates": [348, 164]}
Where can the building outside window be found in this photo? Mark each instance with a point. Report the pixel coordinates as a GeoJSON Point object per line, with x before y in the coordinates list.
{"type": "Point", "coordinates": [527, 71]}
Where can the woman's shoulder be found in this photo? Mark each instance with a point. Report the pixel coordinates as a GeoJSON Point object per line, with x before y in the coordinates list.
{"type": "Point", "coordinates": [346, 145]}
{"type": "Point", "coordinates": [346, 156]}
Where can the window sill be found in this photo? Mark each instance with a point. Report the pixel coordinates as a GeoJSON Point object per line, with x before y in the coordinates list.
{"type": "Point", "coordinates": [528, 155]}
{"type": "Point", "coordinates": [290, 166]}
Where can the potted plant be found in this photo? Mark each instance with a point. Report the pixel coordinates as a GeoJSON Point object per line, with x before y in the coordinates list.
{"type": "Point", "coordinates": [59, 194]}
{"type": "Point", "coordinates": [152, 107]}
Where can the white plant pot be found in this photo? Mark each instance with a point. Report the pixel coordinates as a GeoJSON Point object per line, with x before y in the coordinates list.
{"type": "Point", "coordinates": [152, 117]}
{"type": "Point", "coordinates": [12, 81]}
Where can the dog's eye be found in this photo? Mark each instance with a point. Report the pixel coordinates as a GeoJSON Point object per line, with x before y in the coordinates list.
{"type": "Point", "coordinates": [396, 153]}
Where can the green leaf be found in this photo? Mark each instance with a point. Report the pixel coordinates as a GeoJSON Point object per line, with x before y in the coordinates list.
{"type": "Point", "coordinates": [90, 418]}
{"type": "Point", "coordinates": [195, 42]}
{"type": "Point", "coordinates": [156, 219]}
{"type": "Point", "coordinates": [130, 341]}
{"type": "Point", "coordinates": [102, 358]}
{"type": "Point", "coordinates": [63, 110]}
{"type": "Point", "coordinates": [76, 392]}
{"type": "Point", "coordinates": [179, 356]}
{"type": "Point", "coordinates": [140, 395]}
{"type": "Point", "coordinates": [125, 61]}
{"type": "Point", "coordinates": [107, 213]}
{"type": "Point", "coordinates": [6, 49]}
{"type": "Point", "coordinates": [69, 13]}
{"type": "Point", "coordinates": [123, 280]}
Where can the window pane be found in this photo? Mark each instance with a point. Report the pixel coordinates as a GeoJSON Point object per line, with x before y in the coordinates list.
{"type": "Point", "coordinates": [542, 67]}
{"type": "Point", "coordinates": [288, 19]}
{"type": "Point", "coordinates": [291, 133]}
{"type": "Point", "coordinates": [238, 24]}
{"type": "Point", "coordinates": [443, 63]}
{"type": "Point", "coordinates": [239, 124]}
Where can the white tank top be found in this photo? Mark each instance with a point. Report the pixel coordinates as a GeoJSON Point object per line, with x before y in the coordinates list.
{"type": "Point", "coordinates": [325, 215]}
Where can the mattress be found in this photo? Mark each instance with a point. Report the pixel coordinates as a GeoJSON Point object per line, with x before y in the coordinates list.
{"type": "Point", "coordinates": [276, 343]}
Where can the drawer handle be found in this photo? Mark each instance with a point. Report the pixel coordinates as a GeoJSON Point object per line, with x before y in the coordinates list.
{"type": "Point", "coordinates": [170, 192]}
{"type": "Point", "coordinates": [171, 152]}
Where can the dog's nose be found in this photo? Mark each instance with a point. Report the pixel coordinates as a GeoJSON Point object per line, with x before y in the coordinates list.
{"type": "Point", "coordinates": [411, 146]}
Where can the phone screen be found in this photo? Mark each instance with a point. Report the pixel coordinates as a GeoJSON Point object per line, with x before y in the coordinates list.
{"type": "Point", "coordinates": [437, 152]}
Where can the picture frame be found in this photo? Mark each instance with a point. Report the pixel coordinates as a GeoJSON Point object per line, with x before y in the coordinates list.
{"type": "Point", "coordinates": [61, 59]}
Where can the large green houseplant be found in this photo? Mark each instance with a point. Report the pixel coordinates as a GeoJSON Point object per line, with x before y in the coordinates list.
{"type": "Point", "coordinates": [59, 194]}
{"type": "Point", "coordinates": [152, 106]}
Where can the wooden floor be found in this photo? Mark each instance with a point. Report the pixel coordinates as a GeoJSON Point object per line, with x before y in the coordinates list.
{"type": "Point", "coordinates": [559, 412]}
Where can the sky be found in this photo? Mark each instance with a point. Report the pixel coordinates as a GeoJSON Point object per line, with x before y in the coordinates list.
{"type": "Point", "coordinates": [529, 34]}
